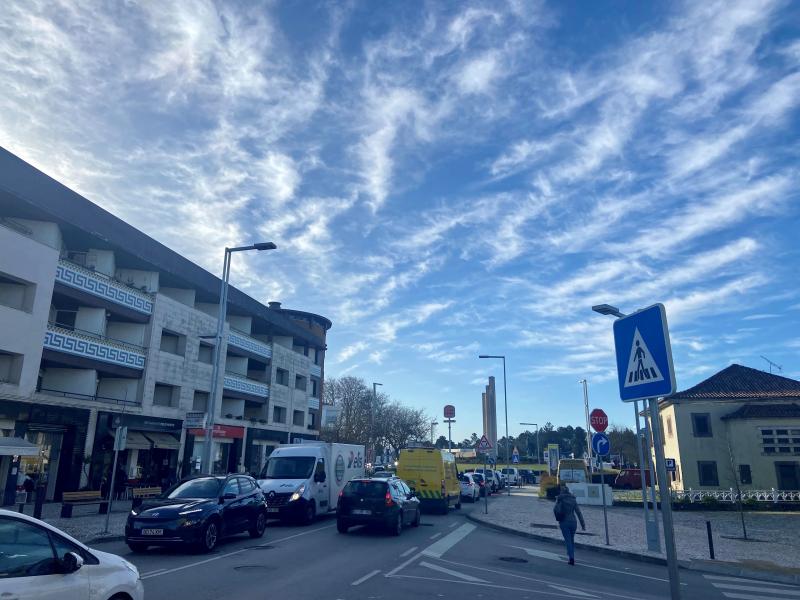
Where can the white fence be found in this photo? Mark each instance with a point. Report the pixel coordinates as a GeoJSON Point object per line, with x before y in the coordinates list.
{"type": "Point", "coordinates": [730, 495]}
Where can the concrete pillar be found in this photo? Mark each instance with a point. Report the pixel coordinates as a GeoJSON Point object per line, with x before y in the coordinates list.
{"type": "Point", "coordinates": [88, 447]}
{"type": "Point", "coordinates": [133, 458]}
{"type": "Point", "coordinates": [242, 467]}
{"type": "Point", "coordinates": [181, 452]}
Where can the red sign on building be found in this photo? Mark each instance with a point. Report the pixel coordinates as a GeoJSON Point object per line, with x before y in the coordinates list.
{"type": "Point", "coordinates": [220, 431]}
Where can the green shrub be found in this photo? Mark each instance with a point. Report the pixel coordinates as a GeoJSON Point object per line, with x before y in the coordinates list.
{"type": "Point", "coordinates": [710, 501]}
{"type": "Point", "coordinates": [548, 487]}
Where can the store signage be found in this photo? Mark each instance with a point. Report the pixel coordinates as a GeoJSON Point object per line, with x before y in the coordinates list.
{"type": "Point", "coordinates": [220, 431]}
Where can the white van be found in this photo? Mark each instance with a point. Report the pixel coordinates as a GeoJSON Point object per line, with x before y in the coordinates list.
{"type": "Point", "coordinates": [301, 481]}
{"type": "Point", "coordinates": [513, 475]}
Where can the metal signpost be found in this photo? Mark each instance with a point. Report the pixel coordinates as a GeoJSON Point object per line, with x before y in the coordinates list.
{"type": "Point", "coordinates": [645, 372]}
{"type": "Point", "coordinates": [602, 447]}
{"type": "Point", "coordinates": [449, 418]}
{"type": "Point", "coordinates": [120, 439]}
{"type": "Point", "coordinates": [484, 446]}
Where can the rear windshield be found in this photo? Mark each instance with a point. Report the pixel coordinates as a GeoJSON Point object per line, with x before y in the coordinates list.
{"type": "Point", "coordinates": [366, 489]}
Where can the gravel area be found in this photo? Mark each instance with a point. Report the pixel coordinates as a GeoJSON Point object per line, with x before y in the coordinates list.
{"type": "Point", "coordinates": [85, 524]}
{"type": "Point", "coordinates": [775, 539]}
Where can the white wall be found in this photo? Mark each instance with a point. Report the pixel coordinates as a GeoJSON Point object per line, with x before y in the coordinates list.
{"type": "Point", "coordinates": [232, 406]}
{"type": "Point", "coordinates": [43, 232]}
{"type": "Point", "coordinates": [133, 333]}
{"type": "Point", "coordinates": [139, 279]}
{"type": "Point", "coordinates": [183, 296]}
{"type": "Point", "coordinates": [91, 319]}
{"type": "Point", "coordinates": [212, 310]}
{"type": "Point", "coordinates": [101, 261]}
{"type": "Point", "coordinates": [236, 364]}
{"type": "Point", "coordinates": [285, 341]}
{"type": "Point", "coordinates": [119, 388]}
{"type": "Point", "coordinates": [74, 381]}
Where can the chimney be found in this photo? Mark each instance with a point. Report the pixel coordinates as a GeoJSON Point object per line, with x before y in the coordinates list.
{"type": "Point", "coordinates": [274, 305]}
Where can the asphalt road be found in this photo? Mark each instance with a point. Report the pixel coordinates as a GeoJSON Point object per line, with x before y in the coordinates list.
{"type": "Point", "coordinates": [447, 557]}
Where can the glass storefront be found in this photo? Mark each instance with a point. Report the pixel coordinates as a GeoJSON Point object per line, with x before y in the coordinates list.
{"type": "Point", "coordinates": [44, 468]}
{"type": "Point", "coordinates": [220, 456]}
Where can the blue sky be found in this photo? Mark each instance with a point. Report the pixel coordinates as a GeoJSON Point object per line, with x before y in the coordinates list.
{"type": "Point", "coordinates": [445, 179]}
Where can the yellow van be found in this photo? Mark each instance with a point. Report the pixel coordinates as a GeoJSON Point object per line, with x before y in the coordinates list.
{"type": "Point", "coordinates": [572, 470]}
{"type": "Point", "coordinates": [432, 474]}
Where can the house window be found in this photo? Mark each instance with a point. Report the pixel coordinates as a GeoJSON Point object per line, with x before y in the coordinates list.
{"type": "Point", "coordinates": [200, 401]}
{"type": "Point", "coordinates": [10, 367]}
{"type": "Point", "coordinates": [745, 477]}
{"type": "Point", "coordinates": [312, 421]}
{"type": "Point", "coordinates": [701, 423]}
{"type": "Point", "coordinates": [205, 353]}
{"type": "Point", "coordinates": [669, 426]}
{"type": "Point", "coordinates": [707, 470]}
{"type": "Point", "coordinates": [166, 395]}
{"type": "Point", "coordinates": [315, 389]}
{"type": "Point", "coordinates": [278, 414]}
{"type": "Point", "coordinates": [299, 418]}
{"type": "Point", "coordinates": [173, 343]}
{"type": "Point", "coordinates": [776, 441]}
{"type": "Point", "coordinates": [16, 293]}
{"type": "Point", "coordinates": [300, 382]}
{"type": "Point", "coordinates": [282, 376]}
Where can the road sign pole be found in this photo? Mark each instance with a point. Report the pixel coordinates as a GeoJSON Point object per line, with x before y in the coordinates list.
{"type": "Point", "coordinates": [650, 526]}
{"type": "Point", "coordinates": [485, 487]}
{"type": "Point", "coordinates": [666, 504]}
{"type": "Point", "coordinates": [603, 491]}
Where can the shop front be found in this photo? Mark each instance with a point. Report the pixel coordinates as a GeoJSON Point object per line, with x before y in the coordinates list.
{"type": "Point", "coordinates": [260, 444]}
{"type": "Point", "coordinates": [226, 450]}
{"type": "Point", "coordinates": [151, 451]}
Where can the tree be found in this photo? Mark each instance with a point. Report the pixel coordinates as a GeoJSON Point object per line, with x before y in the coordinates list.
{"type": "Point", "coordinates": [403, 424]}
{"type": "Point", "coordinates": [623, 441]}
{"type": "Point", "coordinates": [442, 442]}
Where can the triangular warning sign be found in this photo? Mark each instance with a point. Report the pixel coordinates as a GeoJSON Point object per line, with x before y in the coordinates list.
{"type": "Point", "coordinates": [641, 366]}
{"type": "Point", "coordinates": [484, 445]}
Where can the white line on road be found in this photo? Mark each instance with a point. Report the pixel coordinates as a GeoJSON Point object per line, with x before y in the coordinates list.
{"type": "Point", "coordinates": [213, 558]}
{"type": "Point", "coordinates": [748, 581]}
{"type": "Point", "coordinates": [450, 572]}
{"type": "Point", "coordinates": [752, 588]}
{"type": "Point", "coordinates": [490, 585]}
{"type": "Point", "coordinates": [453, 525]}
{"type": "Point", "coordinates": [451, 539]}
{"type": "Point", "coordinates": [751, 596]}
{"type": "Point", "coordinates": [365, 577]}
{"type": "Point", "coordinates": [149, 573]}
{"type": "Point", "coordinates": [434, 536]}
{"type": "Point", "coordinates": [407, 552]}
{"type": "Point", "coordinates": [572, 591]}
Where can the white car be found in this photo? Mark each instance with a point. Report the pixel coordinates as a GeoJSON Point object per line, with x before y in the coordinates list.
{"type": "Point", "coordinates": [470, 488]}
{"type": "Point", "coordinates": [39, 562]}
{"type": "Point", "coordinates": [512, 473]}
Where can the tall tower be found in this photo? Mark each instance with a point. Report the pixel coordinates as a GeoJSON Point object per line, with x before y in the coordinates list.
{"type": "Point", "coordinates": [489, 403]}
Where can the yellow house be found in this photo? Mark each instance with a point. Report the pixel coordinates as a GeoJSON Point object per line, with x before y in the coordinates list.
{"type": "Point", "coordinates": [739, 426]}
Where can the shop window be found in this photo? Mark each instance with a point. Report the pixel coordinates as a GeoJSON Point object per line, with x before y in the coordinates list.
{"type": "Point", "coordinates": [10, 367]}
{"type": "Point", "coordinates": [707, 470]}
{"type": "Point", "coordinates": [299, 382]}
{"type": "Point", "coordinates": [166, 395]}
{"type": "Point", "coordinates": [282, 376]}
{"type": "Point", "coordinates": [200, 401]}
{"type": "Point", "coordinates": [745, 477]}
{"type": "Point", "coordinates": [701, 424]}
{"type": "Point", "coordinates": [16, 293]}
{"type": "Point", "coordinates": [299, 418]}
{"type": "Point", "coordinates": [206, 353]}
{"type": "Point", "coordinates": [172, 342]}
{"type": "Point", "coordinates": [278, 414]}
{"type": "Point", "coordinates": [669, 427]}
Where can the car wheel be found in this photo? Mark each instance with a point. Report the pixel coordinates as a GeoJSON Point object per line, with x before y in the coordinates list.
{"type": "Point", "coordinates": [210, 536]}
{"type": "Point", "coordinates": [309, 514]}
{"type": "Point", "coordinates": [417, 519]}
{"type": "Point", "coordinates": [397, 529]}
{"type": "Point", "coordinates": [257, 530]}
{"type": "Point", "coordinates": [458, 504]}
{"type": "Point", "coordinates": [138, 548]}
{"type": "Point", "coordinates": [444, 507]}
{"type": "Point", "coordinates": [341, 526]}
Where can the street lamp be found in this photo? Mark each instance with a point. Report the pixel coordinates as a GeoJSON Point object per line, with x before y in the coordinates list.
{"type": "Point", "coordinates": [537, 439]}
{"type": "Point", "coordinates": [223, 311]}
{"type": "Point", "coordinates": [373, 402]}
{"type": "Point", "coordinates": [505, 402]}
{"type": "Point", "coordinates": [607, 309]}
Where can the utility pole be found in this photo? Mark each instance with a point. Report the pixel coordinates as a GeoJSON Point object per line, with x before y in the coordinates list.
{"type": "Point", "coordinates": [588, 435]}
{"type": "Point", "coordinates": [373, 402]}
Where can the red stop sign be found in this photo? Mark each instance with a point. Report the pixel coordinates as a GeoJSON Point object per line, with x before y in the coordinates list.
{"type": "Point", "coordinates": [449, 411]}
{"type": "Point", "coordinates": [598, 419]}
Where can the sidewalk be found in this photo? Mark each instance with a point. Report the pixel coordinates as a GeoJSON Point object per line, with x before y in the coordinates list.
{"type": "Point", "coordinates": [774, 551]}
{"type": "Point", "coordinates": [86, 524]}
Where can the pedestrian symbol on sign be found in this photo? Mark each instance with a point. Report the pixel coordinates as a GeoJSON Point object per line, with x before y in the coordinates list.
{"type": "Point", "coordinates": [641, 366]}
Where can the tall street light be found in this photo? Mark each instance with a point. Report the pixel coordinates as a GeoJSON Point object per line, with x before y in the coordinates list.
{"type": "Point", "coordinates": [537, 439]}
{"type": "Point", "coordinates": [223, 311]}
{"type": "Point", "coordinates": [505, 402]}
{"type": "Point", "coordinates": [373, 402]}
{"type": "Point", "coordinates": [588, 425]}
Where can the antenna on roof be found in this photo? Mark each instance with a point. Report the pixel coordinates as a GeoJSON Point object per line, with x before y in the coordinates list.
{"type": "Point", "coordinates": [772, 364]}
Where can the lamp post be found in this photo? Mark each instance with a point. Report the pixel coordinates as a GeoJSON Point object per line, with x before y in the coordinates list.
{"type": "Point", "coordinates": [588, 433]}
{"type": "Point", "coordinates": [373, 402]}
{"type": "Point", "coordinates": [223, 311]}
{"type": "Point", "coordinates": [537, 439]}
{"type": "Point", "coordinates": [505, 403]}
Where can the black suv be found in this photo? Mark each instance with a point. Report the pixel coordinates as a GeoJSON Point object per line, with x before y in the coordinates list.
{"type": "Point", "coordinates": [384, 501]}
{"type": "Point", "coordinates": [198, 511]}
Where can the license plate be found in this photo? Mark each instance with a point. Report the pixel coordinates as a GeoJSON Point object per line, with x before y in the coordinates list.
{"type": "Point", "coordinates": [360, 511]}
{"type": "Point", "coordinates": [152, 532]}
{"type": "Point", "coordinates": [273, 510]}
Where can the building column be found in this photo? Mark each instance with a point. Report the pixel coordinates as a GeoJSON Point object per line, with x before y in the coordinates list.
{"type": "Point", "coordinates": [242, 466]}
{"type": "Point", "coordinates": [88, 447]}
{"type": "Point", "coordinates": [181, 454]}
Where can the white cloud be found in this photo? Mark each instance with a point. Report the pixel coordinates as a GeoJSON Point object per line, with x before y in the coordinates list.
{"type": "Point", "coordinates": [477, 75]}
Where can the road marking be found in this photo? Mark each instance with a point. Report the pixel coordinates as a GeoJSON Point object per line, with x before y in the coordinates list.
{"type": "Point", "coordinates": [540, 553]}
{"type": "Point", "coordinates": [451, 539]}
{"type": "Point", "coordinates": [434, 536]}
{"type": "Point", "coordinates": [572, 591]}
{"type": "Point", "coordinates": [221, 556]}
{"type": "Point", "coordinates": [365, 577]}
{"type": "Point", "coordinates": [751, 596]}
{"type": "Point", "coordinates": [463, 576]}
{"type": "Point", "coordinates": [149, 573]}
{"type": "Point", "coordinates": [407, 552]}
{"type": "Point", "coordinates": [752, 588]}
{"type": "Point", "coordinates": [453, 525]}
{"type": "Point", "coordinates": [491, 585]}
{"type": "Point", "coordinates": [747, 581]}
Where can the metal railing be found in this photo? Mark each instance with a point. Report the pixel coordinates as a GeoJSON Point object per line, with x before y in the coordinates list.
{"type": "Point", "coordinates": [730, 495]}
{"type": "Point", "coordinates": [94, 398]}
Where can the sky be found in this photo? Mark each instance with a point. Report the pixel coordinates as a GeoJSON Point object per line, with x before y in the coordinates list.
{"type": "Point", "coordinates": [445, 179]}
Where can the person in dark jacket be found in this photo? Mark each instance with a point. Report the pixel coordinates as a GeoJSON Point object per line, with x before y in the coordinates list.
{"type": "Point", "coordinates": [565, 511]}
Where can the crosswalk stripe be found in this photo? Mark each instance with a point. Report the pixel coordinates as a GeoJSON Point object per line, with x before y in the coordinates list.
{"type": "Point", "coordinates": [745, 580]}
{"type": "Point", "coordinates": [750, 596]}
{"type": "Point", "coordinates": [752, 588]}
{"type": "Point", "coordinates": [450, 572]}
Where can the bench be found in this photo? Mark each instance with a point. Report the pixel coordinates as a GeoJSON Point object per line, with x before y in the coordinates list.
{"type": "Point", "coordinates": [141, 493]}
{"type": "Point", "coordinates": [70, 499]}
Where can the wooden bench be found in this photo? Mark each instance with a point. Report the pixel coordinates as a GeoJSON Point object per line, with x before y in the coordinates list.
{"type": "Point", "coordinates": [70, 499]}
{"type": "Point", "coordinates": [141, 493]}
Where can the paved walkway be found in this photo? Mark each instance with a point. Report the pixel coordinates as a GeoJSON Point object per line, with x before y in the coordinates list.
{"type": "Point", "coordinates": [775, 545]}
{"type": "Point", "coordinates": [85, 524]}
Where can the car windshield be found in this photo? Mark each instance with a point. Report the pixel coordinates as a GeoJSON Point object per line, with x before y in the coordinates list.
{"type": "Point", "coordinates": [208, 487]}
{"type": "Point", "coordinates": [365, 489]}
{"type": "Point", "coordinates": [289, 467]}
{"type": "Point", "coordinates": [478, 477]}
{"type": "Point", "coordinates": [573, 475]}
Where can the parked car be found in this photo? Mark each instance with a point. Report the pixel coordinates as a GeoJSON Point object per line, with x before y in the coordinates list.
{"type": "Point", "coordinates": [386, 502]}
{"type": "Point", "coordinates": [198, 512]}
{"type": "Point", "coordinates": [432, 474]}
{"type": "Point", "coordinates": [492, 478]}
{"type": "Point", "coordinates": [479, 479]}
{"type": "Point", "coordinates": [631, 479]}
{"type": "Point", "coordinates": [38, 561]}
{"type": "Point", "coordinates": [527, 476]}
{"type": "Point", "coordinates": [470, 489]}
{"type": "Point", "coordinates": [512, 473]}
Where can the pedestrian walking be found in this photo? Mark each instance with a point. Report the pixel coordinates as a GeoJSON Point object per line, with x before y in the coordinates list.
{"type": "Point", "coordinates": [565, 510]}
{"type": "Point", "coordinates": [28, 485]}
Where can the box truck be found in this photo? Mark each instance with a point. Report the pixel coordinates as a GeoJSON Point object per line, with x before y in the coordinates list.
{"type": "Point", "coordinates": [301, 481]}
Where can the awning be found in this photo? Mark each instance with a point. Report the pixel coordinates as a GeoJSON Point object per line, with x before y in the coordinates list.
{"type": "Point", "coordinates": [135, 441]}
{"type": "Point", "coordinates": [13, 446]}
{"type": "Point", "coordinates": [163, 440]}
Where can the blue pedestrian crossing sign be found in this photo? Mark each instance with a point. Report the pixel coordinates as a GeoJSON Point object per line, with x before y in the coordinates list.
{"type": "Point", "coordinates": [644, 355]}
{"type": "Point", "coordinates": [601, 445]}
{"type": "Point", "coordinates": [515, 456]}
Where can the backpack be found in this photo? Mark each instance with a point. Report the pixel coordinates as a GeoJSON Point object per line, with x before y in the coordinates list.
{"type": "Point", "coordinates": [558, 511]}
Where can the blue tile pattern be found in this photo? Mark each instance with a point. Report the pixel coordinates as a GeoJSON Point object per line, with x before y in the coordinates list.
{"type": "Point", "coordinates": [246, 386]}
{"type": "Point", "coordinates": [69, 342]}
{"type": "Point", "coordinates": [79, 278]}
{"type": "Point", "coordinates": [315, 370]}
{"type": "Point", "coordinates": [245, 342]}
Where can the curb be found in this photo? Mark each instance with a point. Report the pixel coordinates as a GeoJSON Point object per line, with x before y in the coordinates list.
{"type": "Point", "coordinates": [717, 568]}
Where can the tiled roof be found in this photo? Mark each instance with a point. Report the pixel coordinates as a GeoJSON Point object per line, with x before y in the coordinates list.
{"type": "Point", "coordinates": [737, 383]}
{"type": "Point", "coordinates": [766, 411]}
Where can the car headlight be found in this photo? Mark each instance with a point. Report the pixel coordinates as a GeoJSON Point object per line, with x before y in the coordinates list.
{"type": "Point", "coordinates": [135, 511]}
{"type": "Point", "coordinates": [298, 493]}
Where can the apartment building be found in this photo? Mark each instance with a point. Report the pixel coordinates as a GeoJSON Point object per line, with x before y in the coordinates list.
{"type": "Point", "coordinates": [101, 327]}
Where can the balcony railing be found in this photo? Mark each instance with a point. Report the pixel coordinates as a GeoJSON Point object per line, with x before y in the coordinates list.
{"type": "Point", "coordinates": [240, 383]}
{"type": "Point", "coordinates": [95, 398]}
{"type": "Point", "coordinates": [242, 341]}
{"type": "Point", "coordinates": [315, 370]}
{"type": "Point", "coordinates": [102, 286]}
{"type": "Point", "coordinates": [313, 403]}
{"type": "Point", "coordinates": [89, 345]}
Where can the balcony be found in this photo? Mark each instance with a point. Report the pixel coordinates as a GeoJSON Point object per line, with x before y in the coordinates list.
{"type": "Point", "coordinates": [315, 370]}
{"type": "Point", "coordinates": [313, 403]}
{"type": "Point", "coordinates": [248, 345]}
{"type": "Point", "coordinates": [103, 287]}
{"type": "Point", "coordinates": [240, 384]}
{"type": "Point", "coordinates": [95, 398]}
{"type": "Point", "coordinates": [88, 345]}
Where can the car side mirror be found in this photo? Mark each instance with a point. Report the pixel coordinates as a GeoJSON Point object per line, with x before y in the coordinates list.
{"type": "Point", "coordinates": [71, 563]}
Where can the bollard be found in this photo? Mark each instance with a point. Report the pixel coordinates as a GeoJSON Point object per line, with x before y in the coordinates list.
{"type": "Point", "coordinates": [710, 540]}
{"type": "Point", "coordinates": [39, 500]}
